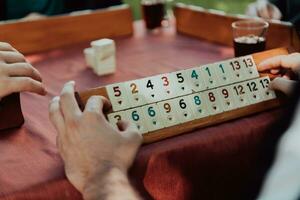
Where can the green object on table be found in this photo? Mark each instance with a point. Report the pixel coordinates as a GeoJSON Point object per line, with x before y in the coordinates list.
{"type": "Point", "coordinates": [229, 6]}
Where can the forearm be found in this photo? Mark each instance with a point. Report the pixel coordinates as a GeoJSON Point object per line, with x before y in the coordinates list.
{"type": "Point", "coordinates": [109, 185]}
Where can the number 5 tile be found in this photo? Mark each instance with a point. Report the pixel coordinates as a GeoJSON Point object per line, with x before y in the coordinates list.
{"type": "Point", "coordinates": [117, 94]}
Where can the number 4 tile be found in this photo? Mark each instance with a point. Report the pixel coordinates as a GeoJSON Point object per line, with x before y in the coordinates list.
{"type": "Point", "coordinates": [195, 81]}
{"type": "Point", "coordinates": [151, 89]}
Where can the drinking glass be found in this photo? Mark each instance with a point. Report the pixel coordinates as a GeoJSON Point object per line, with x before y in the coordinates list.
{"type": "Point", "coordinates": [249, 36]}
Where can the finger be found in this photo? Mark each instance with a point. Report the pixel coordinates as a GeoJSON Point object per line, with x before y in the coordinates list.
{"type": "Point", "coordinates": [123, 125]}
{"type": "Point", "coordinates": [271, 63]}
{"type": "Point", "coordinates": [284, 85]}
{"type": "Point", "coordinates": [275, 12]}
{"type": "Point", "coordinates": [275, 71]}
{"type": "Point", "coordinates": [97, 104]}
{"type": "Point", "coordinates": [288, 75]}
{"type": "Point", "coordinates": [6, 47]}
{"type": "Point", "coordinates": [55, 115]}
{"type": "Point", "coordinates": [68, 103]}
{"type": "Point", "coordinates": [131, 133]}
{"type": "Point", "coordinates": [251, 10]}
{"type": "Point", "coordinates": [12, 57]}
{"type": "Point", "coordinates": [23, 69]}
{"type": "Point", "coordinates": [263, 10]}
{"type": "Point", "coordinates": [292, 61]}
{"type": "Point", "coordinates": [26, 84]}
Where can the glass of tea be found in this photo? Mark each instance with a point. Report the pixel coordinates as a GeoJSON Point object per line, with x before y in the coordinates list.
{"type": "Point", "coordinates": [153, 12]}
{"type": "Point", "coordinates": [249, 36]}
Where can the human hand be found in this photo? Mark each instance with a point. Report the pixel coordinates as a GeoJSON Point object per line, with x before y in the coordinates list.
{"type": "Point", "coordinates": [88, 144]}
{"type": "Point", "coordinates": [263, 9]}
{"type": "Point", "coordinates": [286, 65]}
{"type": "Point", "coordinates": [17, 75]}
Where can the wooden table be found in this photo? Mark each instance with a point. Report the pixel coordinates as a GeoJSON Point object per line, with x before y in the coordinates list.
{"type": "Point", "coordinates": [227, 161]}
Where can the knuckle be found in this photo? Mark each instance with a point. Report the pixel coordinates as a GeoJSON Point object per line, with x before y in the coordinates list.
{"type": "Point", "coordinates": [2, 55]}
{"type": "Point", "coordinates": [73, 122]}
{"type": "Point", "coordinates": [3, 67]}
{"type": "Point", "coordinates": [96, 97]}
{"type": "Point", "coordinates": [19, 55]}
{"type": "Point", "coordinates": [26, 66]}
{"type": "Point", "coordinates": [6, 45]}
{"type": "Point", "coordinates": [138, 138]}
{"type": "Point", "coordinates": [5, 81]}
{"type": "Point", "coordinates": [28, 81]}
{"type": "Point", "coordinates": [91, 116]}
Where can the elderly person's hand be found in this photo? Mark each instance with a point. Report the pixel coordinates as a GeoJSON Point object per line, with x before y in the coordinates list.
{"type": "Point", "coordinates": [288, 65]}
{"type": "Point", "coordinates": [96, 155]}
{"type": "Point", "coordinates": [264, 9]}
{"type": "Point", "coordinates": [17, 75]}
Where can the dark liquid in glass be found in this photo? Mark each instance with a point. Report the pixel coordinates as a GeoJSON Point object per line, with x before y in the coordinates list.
{"type": "Point", "coordinates": [153, 14]}
{"type": "Point", "coordinates": [246, 45]}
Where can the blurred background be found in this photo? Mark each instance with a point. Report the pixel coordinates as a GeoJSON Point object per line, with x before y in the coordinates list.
{"type": "Point", "coordinates": [14, 9]}
{"type": "Point", "coordinates": [229, 6]}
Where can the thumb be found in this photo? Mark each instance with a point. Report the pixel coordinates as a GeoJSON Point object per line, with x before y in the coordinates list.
{"type": "Point", "coordinates": [284, 85]}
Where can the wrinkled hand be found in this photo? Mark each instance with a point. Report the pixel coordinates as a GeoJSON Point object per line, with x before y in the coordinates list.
{"type": "Point", "coordinates": [87, 143]}
{"type": "Point", "coordinates": [17, 75]}
{"type": "Point", "coordinates": [288, 66]}
{"type": "Point", "coordinates": [264, 9]}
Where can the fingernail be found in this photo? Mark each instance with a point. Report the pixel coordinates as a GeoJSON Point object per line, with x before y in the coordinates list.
{"type": "Point", "coordinates": [56, 98]}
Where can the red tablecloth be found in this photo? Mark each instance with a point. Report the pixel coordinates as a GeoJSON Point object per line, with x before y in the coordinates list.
{"type": "Point", "coordinates": [227, 161]}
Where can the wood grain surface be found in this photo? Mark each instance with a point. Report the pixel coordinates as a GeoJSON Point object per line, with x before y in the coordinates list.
{"type": "Point", "coordinates": [216, 27]}
{"type": "Point", "coordinates": [163, 133]}
{"type": "Point", "coordinates": [58, 31]}
{"type": "Point", "coordinates": [225, 161]}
